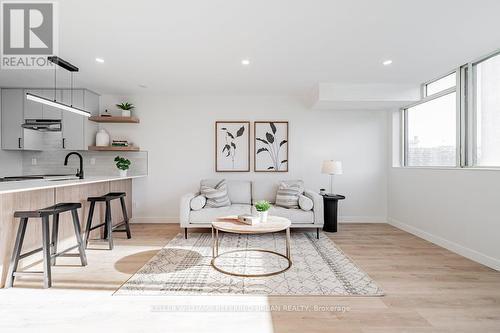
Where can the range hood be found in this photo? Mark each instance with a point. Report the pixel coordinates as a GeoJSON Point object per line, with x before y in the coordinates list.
{"type": "Point", "coordinates": [43, 125]}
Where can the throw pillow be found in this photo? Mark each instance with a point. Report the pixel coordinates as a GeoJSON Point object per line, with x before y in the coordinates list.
{"type": "Point", "coordinates": [216, 196]}
{"type": "Point", "coordinates": [305, 203]}
{"type": "Point", "coordinates": [198, 202]}
{"type": "Point", "coordinates": [288, 195]}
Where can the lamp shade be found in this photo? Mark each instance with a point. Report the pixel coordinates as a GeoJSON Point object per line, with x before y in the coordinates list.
{"type": "Point", "coordinates": [332, 167]}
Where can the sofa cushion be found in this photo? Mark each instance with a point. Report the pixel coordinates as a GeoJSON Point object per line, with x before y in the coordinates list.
{"type": "Point", "coordinates": [288, 195]}
{"type": "Point", "coordinates": [294, 215]}
{"type": "Point", "coordinates": [209, 215]}
{"type": "Point", "coordinates": [239, 191]}
{"type": "Point", "coordinates": [305, 203]}
{"type": "Point", "coordinates": [216, 195]}
{"type": "Point", "coordinates": [264, 190]}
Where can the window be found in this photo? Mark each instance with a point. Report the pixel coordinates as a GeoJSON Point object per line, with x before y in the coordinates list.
{"type": "Point", "coordinates": [431, 132]}
{"type": "Point", "coordinates": [457, 122]}
{"type": "Point", "coordinates": [441, 84]}
{"type": "Point", "coordinates": [487, 112]}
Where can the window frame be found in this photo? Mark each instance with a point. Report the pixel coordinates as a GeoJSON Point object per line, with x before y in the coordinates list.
{"type": "Point", "coordinates": [423, 86]}
{"type": "Point", "coordinates": [423, 100]}
{"type": "Point", "coordinates": [466, 91]}
{"type": "Point", "coordinates": [471, 135]}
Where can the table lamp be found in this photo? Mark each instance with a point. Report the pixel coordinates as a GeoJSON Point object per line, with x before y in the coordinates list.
{"type": "Point", "coordinates": [331, 168]}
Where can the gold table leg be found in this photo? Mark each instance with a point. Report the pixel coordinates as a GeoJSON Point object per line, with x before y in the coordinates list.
{"type": "Point", "coordinates": [215, 255]}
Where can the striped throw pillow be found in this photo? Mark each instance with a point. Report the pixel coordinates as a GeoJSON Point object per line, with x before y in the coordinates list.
{"type": "Point", "coordinates": [288, 195]}
{"type": "Point", "coordinates": [216, 197]}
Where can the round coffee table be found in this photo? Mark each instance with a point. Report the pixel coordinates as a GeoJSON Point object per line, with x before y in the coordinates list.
{"type": "Point", "coordinates": [273, 224]}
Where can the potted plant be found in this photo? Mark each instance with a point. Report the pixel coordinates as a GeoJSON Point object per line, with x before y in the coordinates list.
{"type": "Point", "coordinates": [122, 164]}
{"type": "Point", "coordinates": [126, 108]}
{"type": "Point", "coordinates": [262, 207]}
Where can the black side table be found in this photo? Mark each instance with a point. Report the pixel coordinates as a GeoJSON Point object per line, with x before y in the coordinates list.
{"type": "Point", "coordinates": [330, 205]}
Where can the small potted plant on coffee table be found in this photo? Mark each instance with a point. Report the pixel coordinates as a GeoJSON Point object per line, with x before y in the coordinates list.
{"type": "Point", "coordinates": [262, 208]}
{"type": "Point", "coordinates": [122, 164]}
{"type": "Point", "coordinates": [126, 108]}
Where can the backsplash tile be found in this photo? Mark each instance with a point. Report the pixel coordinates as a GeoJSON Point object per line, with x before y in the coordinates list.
{"type": "Point", "coordinates": [52, 162]}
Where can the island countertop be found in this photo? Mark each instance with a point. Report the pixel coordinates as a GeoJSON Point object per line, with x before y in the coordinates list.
{"type": "Point", "coordinates": [40, 184]}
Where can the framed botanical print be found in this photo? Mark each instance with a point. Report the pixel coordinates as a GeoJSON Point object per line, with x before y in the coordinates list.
{"type": "Point", "coordinates": [232, 146]}
{"type": "Point", "coordinates": [271, 146]}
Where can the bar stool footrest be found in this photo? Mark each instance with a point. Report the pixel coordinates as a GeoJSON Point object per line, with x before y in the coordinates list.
{"type": "Point", "coordinates": [27, 254]}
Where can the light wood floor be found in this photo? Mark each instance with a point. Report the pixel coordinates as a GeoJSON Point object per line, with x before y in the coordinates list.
{"type": "Point", "coordinates": [428, 289]}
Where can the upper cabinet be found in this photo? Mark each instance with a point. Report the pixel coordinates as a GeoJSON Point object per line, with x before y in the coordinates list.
{"type": "Point", "coordinates": [32, 110]}
{"type": "Point", "coordinates": [50, 112]}
{"type": "Point", "coordinates": [77, 132]}
{"type": "Point", "coordinates": [12, 118]}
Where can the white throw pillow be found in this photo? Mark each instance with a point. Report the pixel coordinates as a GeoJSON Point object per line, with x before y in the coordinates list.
{"type": "Point", "coordinates": [288, 195]}
{"type": "Point", "coordinates": [216, 196]}
{"type": "Point", "coordinates": [198, 202]}
{"type": "Point", "coordinates": [305, 203]}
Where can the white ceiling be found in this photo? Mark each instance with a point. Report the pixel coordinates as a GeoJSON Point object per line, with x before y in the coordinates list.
{"type": "Point", "coordinates": [195, 46]}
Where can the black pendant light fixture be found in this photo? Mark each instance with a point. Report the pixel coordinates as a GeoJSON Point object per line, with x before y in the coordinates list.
{"type": "Point", "coordinates": [54, 103]}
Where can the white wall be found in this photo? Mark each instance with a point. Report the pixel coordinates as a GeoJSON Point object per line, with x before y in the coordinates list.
{"type": "Point", "coordinates": [454, 208]}
{"type": "Point", "coordinates": [178, 132]}
{"type": "Point", "coordinates": [10, 161]}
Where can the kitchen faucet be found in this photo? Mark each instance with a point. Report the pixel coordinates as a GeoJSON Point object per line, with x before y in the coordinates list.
{"type": "Point", "coordinates": [79, 172]}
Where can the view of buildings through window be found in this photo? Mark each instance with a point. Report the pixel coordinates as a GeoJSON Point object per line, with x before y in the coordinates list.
{"type": "Point", "coordinates": [431, 137]}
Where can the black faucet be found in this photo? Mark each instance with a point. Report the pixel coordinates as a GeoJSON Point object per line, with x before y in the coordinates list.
{"type": "Point", "coordinates": [79, 172]}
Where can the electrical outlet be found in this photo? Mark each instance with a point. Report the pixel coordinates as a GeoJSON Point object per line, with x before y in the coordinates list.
{"type": "Point", "coordinates": [33, 161]}
{"type": "Point", "coordinates": [92, 161]}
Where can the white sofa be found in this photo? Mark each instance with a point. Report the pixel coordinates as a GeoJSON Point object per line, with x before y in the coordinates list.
{"type": "Point", "coordinates": [243, 194]}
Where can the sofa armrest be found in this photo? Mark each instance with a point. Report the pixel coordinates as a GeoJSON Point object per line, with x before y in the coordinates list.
{"type": "Point", "coordinates": [317, 206]}
{"type": "Point", "coordinates": [185, 208]}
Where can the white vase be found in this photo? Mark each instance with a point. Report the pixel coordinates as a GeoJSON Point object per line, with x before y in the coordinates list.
{"type": "Point", "coordinates": [102, 138]}
{"type": "Point", "coordinates": [263, 216]}
{"type": "Point", "coordinates": [123, 173]}
{"type": "Point", "coordinates": [126, 113]}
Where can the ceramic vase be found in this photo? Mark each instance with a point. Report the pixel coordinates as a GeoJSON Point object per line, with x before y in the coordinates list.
{"type": "Point", "coordinates": [262, 216]}
{"type": "Point", "coordinates": [102, 138]}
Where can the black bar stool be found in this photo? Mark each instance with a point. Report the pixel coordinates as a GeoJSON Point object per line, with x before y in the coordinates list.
{"type": "Point", "coordinates": [49, 247]}
{"type": "Point", "coordinates": [108, 224]}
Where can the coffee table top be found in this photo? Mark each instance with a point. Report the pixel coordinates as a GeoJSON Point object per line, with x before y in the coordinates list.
{"type": "Point", "coordinates": [230, 224]}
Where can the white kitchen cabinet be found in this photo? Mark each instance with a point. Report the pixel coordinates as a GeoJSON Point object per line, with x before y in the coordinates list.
{"type": "Point", "coordinates": [12, 118]}
{"type": "Point", "coordinates": [50, 112]}
{"type": "Point", "coordinates": [73, 125]}
{"type": "Point", "coordinates": [77, 131]}
{"type": "Point", "coordinates": [32, 110]}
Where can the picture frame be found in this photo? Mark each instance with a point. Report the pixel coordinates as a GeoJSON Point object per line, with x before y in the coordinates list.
{"type": "Point", "coordinates": [232, 146]}
{"type": "Point", "coordinates": [271, 145]}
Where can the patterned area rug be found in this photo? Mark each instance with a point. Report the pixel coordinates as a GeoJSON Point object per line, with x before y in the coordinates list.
{"type": "Point", "coordinates": [183, 267]}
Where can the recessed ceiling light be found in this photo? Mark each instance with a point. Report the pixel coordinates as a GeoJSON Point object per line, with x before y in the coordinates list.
{"type": "Point", "coordinates": [100, 60]}
{"type": "Point", "coordinates": [387, 62]}
{"type": "Point", "coordinates": [142, 85]}
{"type": "Point", "coordinates": [245, 62]}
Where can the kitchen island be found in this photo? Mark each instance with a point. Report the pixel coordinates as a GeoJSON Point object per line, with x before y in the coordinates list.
{"type": "Point", "coordinates": [37, 194]}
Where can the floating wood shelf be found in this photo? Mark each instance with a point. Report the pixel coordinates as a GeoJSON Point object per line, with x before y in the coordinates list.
{"type": "Point", "coordinates": [112, 148]}
{"type": "Point", "coordinates": [115, 119]}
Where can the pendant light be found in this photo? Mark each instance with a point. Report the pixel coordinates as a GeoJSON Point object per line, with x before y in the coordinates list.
{"type": "Point", "coordinates": [54, 103]}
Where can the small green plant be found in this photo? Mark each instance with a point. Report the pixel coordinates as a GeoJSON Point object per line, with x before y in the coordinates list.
{"type": "Point", "coordinates": [262, 206]}
{"type": "Point", "coordinates": [122, 163]}
{"type": "Point", "coordinates": [125, 106]}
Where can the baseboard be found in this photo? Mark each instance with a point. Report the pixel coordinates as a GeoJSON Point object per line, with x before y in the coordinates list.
{"type": "Point", "coordinates": [449, 245]}
{"type": "Point", "coordinates": [342, 219]}
{"type": "Point", "coordinates": [160, 220]}
{"type": "Point", "coordinates": [362, 219]}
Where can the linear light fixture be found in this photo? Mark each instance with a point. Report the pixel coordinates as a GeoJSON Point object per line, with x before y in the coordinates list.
{"type": "Point", "coordinates": [70, 68]}
{"type": "Point", "coordinates": [58, 105]}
